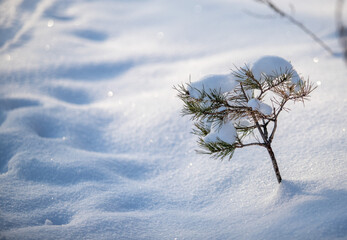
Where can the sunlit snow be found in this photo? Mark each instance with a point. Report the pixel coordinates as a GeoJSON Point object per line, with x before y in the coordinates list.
{"type": "Point", "coordinates": [259, 106]}
{"type": "Point", "coordinates": [210, 83]}
{"type": "Point", "coordinates": [93, 144]}
{"type": "Point", "coordinates": [273, 66]}
{"type": "Point", "coordinates": [226, 132]}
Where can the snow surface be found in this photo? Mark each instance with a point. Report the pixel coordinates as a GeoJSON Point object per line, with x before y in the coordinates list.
{"type": "Point", "coordinates": [93, 146]}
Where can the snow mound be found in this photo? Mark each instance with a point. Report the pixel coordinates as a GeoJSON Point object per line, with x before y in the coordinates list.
{"type": "Point", "coordinates": [222, 83]}
{"type": "Point", "coordinates": [273, 65]}
{"type": "Point", "coordinates": [288, 190]}
{"type": "Point", "coordinates": [92, 145]}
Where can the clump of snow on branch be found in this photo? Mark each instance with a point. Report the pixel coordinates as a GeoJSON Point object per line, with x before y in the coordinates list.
{"type": "Point", "coordinates": [268, 66]}
{"type": "Point", "coordinates": [222, 83]}
{"type": "Point", "coordinates": [259, 106]}
{"type": "Point", "coordinates": [228, 107]}
{"type": "Point", "coordinates": [226, 133]}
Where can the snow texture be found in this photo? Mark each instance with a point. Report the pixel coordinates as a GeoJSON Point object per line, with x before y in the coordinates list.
{"type": "Point", "coordinates": [271, 66]}
{"type": "Point", "coordinates": [226, 132]}
{"type": "Point", "coordinates": [93, 146]}
{"type": "Point", "coordinates": [259, 106]}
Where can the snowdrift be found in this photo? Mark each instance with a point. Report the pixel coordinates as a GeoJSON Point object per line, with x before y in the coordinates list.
{"type": "Point", "coordinates": [92, 144]}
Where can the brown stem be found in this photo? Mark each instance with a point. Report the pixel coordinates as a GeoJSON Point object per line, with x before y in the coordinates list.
{"type": "Point", "coordinates": [274, 163]}
{"type": "Point", "coordinates": [250, 144]}
{"type": "Point", "coordinates": [273, 131]}
{"type": "Point", "coordinates": [259, 128]}
{"type": "Point", "coordinates": [267, 143]}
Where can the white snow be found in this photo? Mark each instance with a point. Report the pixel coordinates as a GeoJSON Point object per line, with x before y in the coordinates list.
{"type": "Point", "coordinates": [265, 109]}
{"type": "Point", "coordinates": [254, 104]}
{"type": "Point", "coordinates": [93, 146]}
{"type": "Point", "coordinates": [226, 132]}
{"type": "Point", "coordinates": [271, 66]}
{"type": "Point", "coordinates": [243, 122]}
{"type": "Point", "coordinates": [220, 83]}
{"type": "Point", "coordinates": [259, 106]}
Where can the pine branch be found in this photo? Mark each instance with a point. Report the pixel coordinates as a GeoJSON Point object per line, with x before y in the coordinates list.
{"type": "Point", "coordinates": [278, 79]}
{"type": "Point", "coordinates": [252, 144]}
{"type": "Point", "coordinates": [200, 129]}
{"type": "Point", "coordinates": [219, 149]}
{"type": "Point", "coordinates": [273, 131]}
{"type": "Point", "coordinates": [245, 76]}
{"type": "Point", "coordinates": [212, 109]}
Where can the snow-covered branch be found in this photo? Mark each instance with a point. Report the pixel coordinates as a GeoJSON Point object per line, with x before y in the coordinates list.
{"type": "Point", "coordinates": [228, 108]}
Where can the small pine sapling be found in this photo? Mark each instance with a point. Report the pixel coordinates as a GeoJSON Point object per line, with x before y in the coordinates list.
{"type": "Point", "coordinates": [230, 111]}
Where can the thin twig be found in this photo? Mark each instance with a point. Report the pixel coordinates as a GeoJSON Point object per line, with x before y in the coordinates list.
{"type": "Point", "coordinates": [276, 9]}
{"type": "Point", "coordinates": [254, 116]}
{"type": "Point", "coordinates": [342, 30]}
{"type": "Point", "coordinates": [265, 128]}
{"type": "Point", "coordinates": [273, 131]}
{"type": "Point", "coordinates": [259, 128]}
{"type": "Point", "coordinates": [251, 144]}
